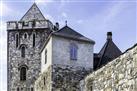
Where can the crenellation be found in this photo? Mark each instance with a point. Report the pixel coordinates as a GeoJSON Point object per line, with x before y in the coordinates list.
{"type": "Point", "coordinates": [36, 24]}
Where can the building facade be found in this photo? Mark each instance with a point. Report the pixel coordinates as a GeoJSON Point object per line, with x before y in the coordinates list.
{"type": "Point", "coordinates": [66, 58]}
{"type": "Point", "coordinates": [25, 39]}
{"type": "Point", "coordinates": [43, 57]}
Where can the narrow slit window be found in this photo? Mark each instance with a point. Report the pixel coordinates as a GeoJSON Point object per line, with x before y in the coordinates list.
{"type": "Point", "coordinates": [31, 88]}
{"type": "Point", "coordinates": [34, 36]}
{"type": "Point", "coordinates": [23, 72]}
{"type": "Point", "coordinates": [17, 40]}
{"type": "Point", "coordinates": [25, 36]}
{"type": "Point", "coordinates": [45, 56]}
{"type": "Point", "coordinates": [18, 89]}
{"type": "Point", "coordinates": [44, 81]}
{"type": "Point", "coordinates": [23, 52]}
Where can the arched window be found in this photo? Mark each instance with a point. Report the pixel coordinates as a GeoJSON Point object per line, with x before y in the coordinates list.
{"type": "Point", "coordinates": [23, 71]}
{"type": "Point", "coordinates": [17, 40]}
{"type": "Point", "coordinates": [73, 51]}
{"type": "Point", "coordinates": [45, 56]}
{"type": "Point", "coordinates": [34, 36]}
{"type": "Point", "coordinates": [23, 51]}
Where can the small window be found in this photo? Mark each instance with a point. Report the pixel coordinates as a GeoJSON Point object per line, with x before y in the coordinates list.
{"type": "Point", "coordinates": [34, 36]}
{"type": "Point", "coordinates": [91, 88]}
{"type": "Point", "coordinates": [44, 81]}
{"type": "Point", "coordinates": [18, 89]}
{"type": "Point", "coordinates": [17, 40]}
{"type": "Point", "coordinates": [31, 88]}
{"type": "Point", "coordinates": [23, 51]}
{"type": "Point", "coordinates": [73, 52]}
{"type": "Point", "coordinates": [25, 36]}
{"type": "Point", "coordinates": [45, 56]}
{"type": "Point", "coordinates": [23, 72]}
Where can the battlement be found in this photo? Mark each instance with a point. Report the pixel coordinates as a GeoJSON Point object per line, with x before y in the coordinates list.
{"type": "Point", "coordinates": [13, 25]}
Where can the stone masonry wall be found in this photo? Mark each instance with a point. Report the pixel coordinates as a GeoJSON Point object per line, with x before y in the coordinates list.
{"type": "Point", "coordinates": [62, 78]}
{"type": "Point", "coordinates": [31, 60]}
{"type": "Point", "coordinates": [118, 75]}
{"type": "Point", "coordinates": [44, 83]}
{"type": "Point", "coordinates": [67, 78]}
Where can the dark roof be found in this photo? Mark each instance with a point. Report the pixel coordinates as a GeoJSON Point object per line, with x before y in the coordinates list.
{"type": "Point", "coordinates": [70, 33]}
{"type": "Point", "coordinates": [108, 52]}
{"type": "Point", "coordinates": [67, 32]}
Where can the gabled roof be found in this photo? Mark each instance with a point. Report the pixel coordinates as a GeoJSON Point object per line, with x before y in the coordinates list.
{"type": "Point", "coordinates": [108, 52]}
{"type": "Point", "coordinates": [33, 13]}
{"type": "Point", "coordinates": [70, 33]}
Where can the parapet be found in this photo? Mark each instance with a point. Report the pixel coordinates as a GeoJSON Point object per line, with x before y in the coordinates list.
{"type": "Point", "coordinates": [36, 24]}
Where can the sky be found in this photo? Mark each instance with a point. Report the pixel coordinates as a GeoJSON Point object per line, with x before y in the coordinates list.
{"type": "Point", "coordinates": [92, 18]}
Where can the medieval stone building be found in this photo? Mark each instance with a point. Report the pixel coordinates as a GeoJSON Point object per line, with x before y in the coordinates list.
{"type": "Point", "coordinates": [43, 57]}
{"type": "Point", "coordinates": [25, 39]}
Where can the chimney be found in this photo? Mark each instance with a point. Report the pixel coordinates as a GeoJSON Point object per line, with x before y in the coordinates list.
{"type": "Point", "coordinates": [109, 35]}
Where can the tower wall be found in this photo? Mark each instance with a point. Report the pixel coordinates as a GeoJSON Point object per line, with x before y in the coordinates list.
{"type": "Point", "coordinates": [31, 59]}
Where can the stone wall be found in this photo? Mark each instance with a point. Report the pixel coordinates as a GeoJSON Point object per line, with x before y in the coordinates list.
{"type": "Point", "coordinates": [61, 78]}
{"type": "Point", "coordinates": [118, 75]}
{"type": "Point", "coordinates": [67, 78]}
{"type": "Point", "coordinates": [31, 60]}
{"type": "Point", "coordinates": [44, 82]}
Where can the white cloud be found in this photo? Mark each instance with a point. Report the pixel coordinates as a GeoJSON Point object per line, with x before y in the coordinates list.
{"type": "Point", "coordinates": [64, 14]}
{"type": "Point", "coordinates": [42, 1]}
{"type": "Point", "coordinates": [80, 21]}
{"type": "Point", "coordinates": [49, 17]}
{"type": "Point", "coordinates": [5, 9]}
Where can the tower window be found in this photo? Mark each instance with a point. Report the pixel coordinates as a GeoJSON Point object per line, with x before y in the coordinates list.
{"type": "Point", "coordinates": [91, 88]}
{"type": "Point", "coordinates": [45, 56]}
{"type": "Point", "coordinates": [44, 81]}
{"type": "Point", "coordinates": [73, 51]}
{"type": "Point", "coordinates": [23, 71]}
{"type": "Point", "coordinates": [18, 89]}
{"type": "Point", "coordinates": [23, 51]}
{"type": "Point", "coordinates": [31, 88]}
{"type": "Point", "coordinates": [17, 40]}
{"type": "Point", "coordinates": [25, 36]}
{"type": "Point", "coordinates": [34, 40]}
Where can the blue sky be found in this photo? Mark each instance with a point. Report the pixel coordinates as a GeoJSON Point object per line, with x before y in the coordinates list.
{"type": "Point", "coordinates": [92, 18]}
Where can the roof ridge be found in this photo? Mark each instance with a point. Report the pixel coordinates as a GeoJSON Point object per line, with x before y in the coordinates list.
{"type": "Point", "coordinates": [107, 42]}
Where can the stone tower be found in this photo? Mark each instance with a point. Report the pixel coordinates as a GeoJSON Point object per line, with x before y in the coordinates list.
{"type": "Point", "coordinates": [25, 39]}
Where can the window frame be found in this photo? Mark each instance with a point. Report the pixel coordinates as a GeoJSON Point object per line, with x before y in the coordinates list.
{"type": "Point", "coordinates": [23, 51]}
{"type": "Point", "coordinates": [73, 51]}
{"type": "Point", "coordinates": [23, 73]}
{"type": "Point", "coordinates": [17, 40]}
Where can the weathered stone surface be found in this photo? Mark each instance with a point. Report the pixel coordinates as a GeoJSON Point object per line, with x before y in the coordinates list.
{"type": "Point", "coordinates": [118, 75]}
{"type": "Point", "coordinates": [31, 60]}
{"type": "Point", "coordinates": [61, 78]}
{"type": "Point", "coordinates": [44, 82]}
